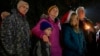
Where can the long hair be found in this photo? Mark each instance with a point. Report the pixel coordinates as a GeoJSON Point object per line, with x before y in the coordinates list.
{"type": "Point", "coordinates": [71, 18]}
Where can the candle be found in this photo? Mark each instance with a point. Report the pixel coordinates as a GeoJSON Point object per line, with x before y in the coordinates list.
{"type": "Point", "coordinates": [87, 27]}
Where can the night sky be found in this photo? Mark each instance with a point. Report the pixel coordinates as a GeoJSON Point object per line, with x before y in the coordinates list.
{"type": "Point", "coordinates": [37, 7]}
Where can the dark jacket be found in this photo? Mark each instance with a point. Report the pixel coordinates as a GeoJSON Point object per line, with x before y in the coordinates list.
{"type": "Point", "coordinates": [41, 48]}
{"type": "Point", "coordinates": [90, 37]}
{"type": "Point", "coordinates": [74, 42]}
{"type": "Point", "coordinates": [15, 35]}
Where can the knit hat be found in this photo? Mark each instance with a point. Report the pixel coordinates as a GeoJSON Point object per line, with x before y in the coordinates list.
{"type": "Point", "coordinates": [66, 17]}
{"type": "Point", "coordinates": [44, 25]}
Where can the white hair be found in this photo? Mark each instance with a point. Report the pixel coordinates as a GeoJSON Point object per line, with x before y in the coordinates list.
{"type": "Point", "coordinates": [20, 3]}
{"type": "Point", "coordinates": [80, 8]}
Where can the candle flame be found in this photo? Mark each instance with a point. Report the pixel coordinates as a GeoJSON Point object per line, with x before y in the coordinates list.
{"type": "Point", "coordinates": [87, 27]}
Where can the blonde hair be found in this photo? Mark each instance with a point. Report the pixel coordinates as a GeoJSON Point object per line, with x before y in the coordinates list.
{"type": "Point", "coordinates": [4, 14]}
{"type": "Point", "coordinates": [51, 7]}
{"type": "Point", "coordinates": [76, 27]}
{"type": "Point", "coordinates": [71, 17]}
{"type": "Point", "coordinates": [21, 3]}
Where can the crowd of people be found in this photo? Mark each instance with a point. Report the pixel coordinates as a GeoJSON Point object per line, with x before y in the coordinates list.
{"type": "Point", "coordinates": [72, 35]}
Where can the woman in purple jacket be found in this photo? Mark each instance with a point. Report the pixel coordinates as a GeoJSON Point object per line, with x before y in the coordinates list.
{"type": "Point", "coordinates": [55, 48]}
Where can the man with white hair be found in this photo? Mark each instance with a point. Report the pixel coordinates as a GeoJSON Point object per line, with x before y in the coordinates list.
{"type": "Point", "coordinates": [88, 29]}
{"type": "Point", "coordinates": [15, 32]}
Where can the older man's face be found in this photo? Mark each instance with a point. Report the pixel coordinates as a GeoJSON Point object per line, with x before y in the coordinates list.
{"type": "Point", "coordinates": [81, 14]}
{"type": "Point", "coordinates": [24, 9]}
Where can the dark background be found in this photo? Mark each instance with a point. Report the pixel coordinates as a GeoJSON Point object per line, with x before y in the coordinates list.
{"type": "Point", "coordinates": [37, 7]}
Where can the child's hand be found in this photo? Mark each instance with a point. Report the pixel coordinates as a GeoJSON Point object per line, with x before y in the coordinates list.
{"type": "Point", "coordinates": [45, 38]}
{"type": "Point", "coordinates": [49, 43]}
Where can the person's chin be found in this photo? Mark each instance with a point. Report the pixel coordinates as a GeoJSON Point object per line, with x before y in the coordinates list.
{"type": "Point", "coordinates": [75, 25]}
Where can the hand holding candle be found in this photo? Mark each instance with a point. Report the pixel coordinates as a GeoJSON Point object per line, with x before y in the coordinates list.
{"type": "Point", "coordinates": [87, 27]}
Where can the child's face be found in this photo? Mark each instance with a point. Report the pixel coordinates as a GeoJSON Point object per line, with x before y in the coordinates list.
{"type": "Point", "coordinates": [48, 31]}
{"type": "Point", "coordinates": [74, 21]}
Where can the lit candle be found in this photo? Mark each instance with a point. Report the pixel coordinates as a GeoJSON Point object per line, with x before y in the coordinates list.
{"type": "Point", "coordinates": [87, 27]}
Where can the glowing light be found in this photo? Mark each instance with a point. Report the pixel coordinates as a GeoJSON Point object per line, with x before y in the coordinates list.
{"type": "Point", "coordinates": [87, 27]}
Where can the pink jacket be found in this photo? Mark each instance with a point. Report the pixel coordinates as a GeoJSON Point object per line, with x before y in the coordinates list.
{"type": "Point", "coordinates": [56, 49]}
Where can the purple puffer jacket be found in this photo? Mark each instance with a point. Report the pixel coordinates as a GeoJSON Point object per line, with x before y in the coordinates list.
{"type": "Point", "coordinates": [55, 48]}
